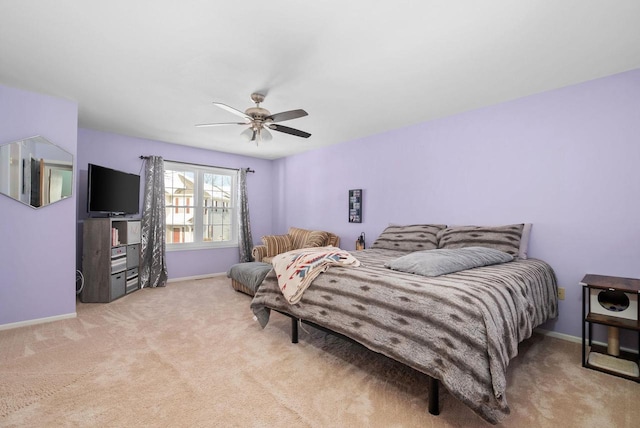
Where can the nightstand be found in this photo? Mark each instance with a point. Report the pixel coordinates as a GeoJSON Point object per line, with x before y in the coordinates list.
{"type": "Point", "coordinates": [613, 302]}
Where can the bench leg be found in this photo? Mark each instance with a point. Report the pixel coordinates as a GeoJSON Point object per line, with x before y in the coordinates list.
{"type": "Point", "coordinates": [434, 407]}
{"type": "Point", "coordinates": [294, 330]}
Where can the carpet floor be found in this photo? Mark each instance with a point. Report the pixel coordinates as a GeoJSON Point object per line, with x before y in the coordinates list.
{"type": "Point", "coordinates": [191, 355]}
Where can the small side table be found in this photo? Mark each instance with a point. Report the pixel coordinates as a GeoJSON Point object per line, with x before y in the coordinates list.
{"type": "Point", "coordinates": [613, 302]}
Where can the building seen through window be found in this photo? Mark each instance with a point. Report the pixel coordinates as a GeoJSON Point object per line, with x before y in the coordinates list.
{"type": "Point", "coordinates": [200, 206]}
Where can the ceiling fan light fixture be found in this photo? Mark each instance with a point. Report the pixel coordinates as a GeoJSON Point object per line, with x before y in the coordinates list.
{"type": "Point", "coordinates": [248, 134]}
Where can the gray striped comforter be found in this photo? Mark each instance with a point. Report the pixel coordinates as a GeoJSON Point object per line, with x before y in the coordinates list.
{"type": "Point", "coordinates": [460, 328]}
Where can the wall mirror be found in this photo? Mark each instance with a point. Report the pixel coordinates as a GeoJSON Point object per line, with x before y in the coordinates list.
{"type": "Point", "coordinates": [35, 171]}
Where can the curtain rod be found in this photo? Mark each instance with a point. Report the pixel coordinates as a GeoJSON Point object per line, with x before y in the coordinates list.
{"type": "Point", "coordinates": [200, 164]}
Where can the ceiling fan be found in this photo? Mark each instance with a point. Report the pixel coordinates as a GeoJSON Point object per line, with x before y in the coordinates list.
{"type": "Point", "coordinates": [260, 120]}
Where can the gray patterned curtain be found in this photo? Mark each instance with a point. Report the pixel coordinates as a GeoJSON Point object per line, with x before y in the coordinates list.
{"type": "Point", "coordinates": [245, 242]}
{"type": "Point", "coordinates": [153, 264]}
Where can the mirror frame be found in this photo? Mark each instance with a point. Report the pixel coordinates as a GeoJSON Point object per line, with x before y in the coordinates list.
{"type": "Point", "coordinates": [52, 166]}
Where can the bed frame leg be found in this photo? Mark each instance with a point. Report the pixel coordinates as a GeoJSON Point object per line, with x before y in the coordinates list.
{"type": "Point", "coordinates": [434, 407]}
{"type": "Point", "coordinates": [294, 330]}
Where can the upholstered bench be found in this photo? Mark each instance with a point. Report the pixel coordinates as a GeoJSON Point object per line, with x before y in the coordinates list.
{"type": "Point", "coordinates": [247, 277]}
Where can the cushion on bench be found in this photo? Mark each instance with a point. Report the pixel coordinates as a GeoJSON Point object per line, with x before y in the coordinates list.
{"type": "Point", "coordinates": [247, 277]}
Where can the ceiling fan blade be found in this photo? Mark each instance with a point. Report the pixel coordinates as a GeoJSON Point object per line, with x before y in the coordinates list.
{"type": "Point", "coordinates": [201, 125]}
{"type": "Point", "coordinates": [232, 110]}
{"type": "Point", "coordinates": [287, 130]}
{"type": "Point", "coordinates": [249, 134]}
{"type": "Point", "coordinates": [287, 115]}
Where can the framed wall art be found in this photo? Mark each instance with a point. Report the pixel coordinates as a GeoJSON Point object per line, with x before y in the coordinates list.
{"type": "Point", "coordinates": [355, 206]}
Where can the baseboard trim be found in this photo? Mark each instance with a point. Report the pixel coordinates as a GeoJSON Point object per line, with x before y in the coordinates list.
{"type": "Point", "coordinates": [191, 278]}
{"type": "Point", "coordinates": [557, 335]}
{"type": "Point", "coordinates": [577, 339]}
{"type": "Point", "coordinates": [37, 321]}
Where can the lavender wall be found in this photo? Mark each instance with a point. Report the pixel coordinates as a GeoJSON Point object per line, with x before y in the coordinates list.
{"type": "Point", "coordinates": [37, 254]}
{"type": "Point", "coordinates": [566, 161]}
{"type": "Point", "coordinates": [123, 152]}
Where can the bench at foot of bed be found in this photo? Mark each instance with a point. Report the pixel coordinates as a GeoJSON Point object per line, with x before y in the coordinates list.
{"type": "Point", "coordinates": [247, 277]}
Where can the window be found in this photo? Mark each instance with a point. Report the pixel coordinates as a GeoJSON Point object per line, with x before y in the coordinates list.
{"type": "Point", "coordinates": [200, 206]}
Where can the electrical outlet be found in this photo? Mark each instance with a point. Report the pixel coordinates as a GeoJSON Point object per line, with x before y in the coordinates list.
{"type": "Point", "coordinates": [561, 293]}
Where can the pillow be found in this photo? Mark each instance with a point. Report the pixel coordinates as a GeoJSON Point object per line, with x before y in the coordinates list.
{"type": "Point", "coordinates": [414, 237]}
{"type": "Point", "coordinates": [333, 240]}
{"type": "Point", "coordinates": [277, 244]}
{"type": "Point", "coordinates": [503, 238]}
{"type": "Point", "coordinates": [316, 238]}
{"type": "Point", "coordinates": [523, 251]}
{"type": "Point", "coordinates": [441, 262]}
{"type": "Point", "coordinates": [298, 237]}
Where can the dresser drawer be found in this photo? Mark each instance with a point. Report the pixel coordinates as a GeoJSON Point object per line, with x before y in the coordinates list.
{"type": "Point", "coordinates": [118, 282]}
{"type": "Point", "coordinates": [133, 256]}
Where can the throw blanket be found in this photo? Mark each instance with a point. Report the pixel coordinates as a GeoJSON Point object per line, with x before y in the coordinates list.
{"type": "Point", "coordinates": [296, 269]}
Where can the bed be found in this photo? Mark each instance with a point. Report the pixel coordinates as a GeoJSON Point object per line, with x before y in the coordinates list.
{"type": "Point", "coordinates": [461, 329]}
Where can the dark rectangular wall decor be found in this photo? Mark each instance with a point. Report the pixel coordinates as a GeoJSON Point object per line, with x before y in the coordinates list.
{"type": "Point", "coordinates": [355, 206]}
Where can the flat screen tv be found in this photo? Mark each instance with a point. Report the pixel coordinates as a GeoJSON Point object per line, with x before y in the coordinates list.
{"type": "Point", "coordinates": [112, 191]}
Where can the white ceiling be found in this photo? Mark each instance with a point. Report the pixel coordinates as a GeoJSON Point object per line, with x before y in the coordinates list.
{"type": "Point", "coordinates": [151, 68]}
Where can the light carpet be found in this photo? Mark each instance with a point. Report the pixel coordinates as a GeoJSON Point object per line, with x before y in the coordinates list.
{"type": "Point", "coordinates": [191, 355]}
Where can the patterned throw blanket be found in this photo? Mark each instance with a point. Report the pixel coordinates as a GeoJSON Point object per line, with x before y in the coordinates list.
{"type": "Point", "coordinates": [296, 269]}
{"type": "Point", "coordinates": [461, 328]}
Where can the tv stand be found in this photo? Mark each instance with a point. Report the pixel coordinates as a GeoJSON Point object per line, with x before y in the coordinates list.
{"type": "Point", "coordinates": [110, 258]}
